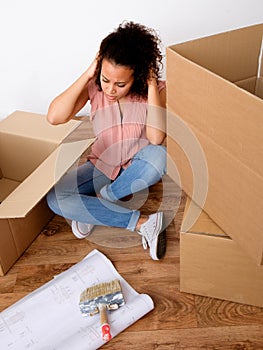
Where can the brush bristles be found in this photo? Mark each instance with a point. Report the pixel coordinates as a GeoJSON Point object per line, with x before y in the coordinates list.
{"type": "Point", "coordinates": [100, 290]}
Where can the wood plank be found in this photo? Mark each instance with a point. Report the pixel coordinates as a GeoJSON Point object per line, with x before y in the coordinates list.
{"type": "Point", "coordinates": [210, 338]}
{"type": "Point", "coordinates": [216, 313]}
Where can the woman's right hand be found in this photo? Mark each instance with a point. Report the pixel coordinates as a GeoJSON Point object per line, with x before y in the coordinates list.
{"type": "Point", "coordinates": [92, 68]}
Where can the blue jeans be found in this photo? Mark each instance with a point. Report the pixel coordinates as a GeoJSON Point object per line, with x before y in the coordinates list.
{"type": "Point", "coordinates": [75, 195]}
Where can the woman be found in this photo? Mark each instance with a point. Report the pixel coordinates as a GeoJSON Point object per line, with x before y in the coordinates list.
{"type": "Point", "coordinates": [127, 111]}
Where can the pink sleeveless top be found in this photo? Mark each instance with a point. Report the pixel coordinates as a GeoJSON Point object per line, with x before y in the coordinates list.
{"type": "Point", "coordinates": [120, 133]}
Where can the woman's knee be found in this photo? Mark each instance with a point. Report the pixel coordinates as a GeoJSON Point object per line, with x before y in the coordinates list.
{"type": "Point", "coordinates": [52, 199]}
{"type": "Point", "coordinates": [156, 156]}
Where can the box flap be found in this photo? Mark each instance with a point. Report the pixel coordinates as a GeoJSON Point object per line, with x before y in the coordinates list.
{"type": "Point", "coordinates": [35, 186]}
{"type": "Point", "coordinates": [218, 53]}
{"type": "Point", "coordinates": [196, 220]}
{"type": "Point", "coordinates": [32, 125]}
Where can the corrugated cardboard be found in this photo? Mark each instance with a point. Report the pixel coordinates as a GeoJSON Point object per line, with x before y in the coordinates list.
{"type": "Point", "coordinates": [213, 265]}
{"type": "Point", "coordinates": [213, 85]}
{"type": "Point", "coordinates": [32, 159]}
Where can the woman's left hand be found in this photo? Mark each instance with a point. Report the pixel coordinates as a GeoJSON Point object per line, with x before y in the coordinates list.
{"type": "Point", "coordinates": [152, 80]}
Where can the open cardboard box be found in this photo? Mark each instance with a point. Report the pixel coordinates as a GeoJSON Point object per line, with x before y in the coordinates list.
{"type": "Point", "coordinates": [214, 85]}
{"type": "Point", "coordinates": [32, 159]}
{"type": "Point", "coordinates": [213, 265]}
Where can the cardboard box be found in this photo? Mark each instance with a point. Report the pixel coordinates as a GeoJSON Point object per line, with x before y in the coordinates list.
{"type": "Point", "coordinates": [213, 265]}
{"type": "Point", "coordinates": [32, 159]}
{"type": "Point", "coordinates": [214, 85]}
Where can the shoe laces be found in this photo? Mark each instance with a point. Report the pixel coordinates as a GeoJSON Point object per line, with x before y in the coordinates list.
{"type": "Point", "coordinates": [146, 240]}
{"type": "Point", "coordinates": [147, 237]}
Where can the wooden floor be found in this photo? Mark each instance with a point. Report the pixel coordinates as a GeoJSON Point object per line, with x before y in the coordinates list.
{"type": "Point", "coordinates": [179, 320]}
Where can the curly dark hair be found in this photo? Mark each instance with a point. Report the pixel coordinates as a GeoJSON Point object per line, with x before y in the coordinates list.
{"type": "Point", "coordinates": [135, 46]}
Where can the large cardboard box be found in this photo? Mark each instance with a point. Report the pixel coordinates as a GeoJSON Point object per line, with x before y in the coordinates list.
{"type": "Point", "coordinates": [214, 90]}
{"type": "Point", "coordinates": [32, 159]}
{"type": "Point", "coordinates": [213, 265]}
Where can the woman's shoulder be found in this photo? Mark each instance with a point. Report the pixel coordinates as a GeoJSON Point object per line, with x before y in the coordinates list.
{"type": "Point", "coordinates": [92, 88]}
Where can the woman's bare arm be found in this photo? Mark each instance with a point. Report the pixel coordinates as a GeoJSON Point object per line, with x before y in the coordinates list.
{"type": "Point", "coordinates": [156, 118]}
{"type": "Point", "coordinates": [65, 106]}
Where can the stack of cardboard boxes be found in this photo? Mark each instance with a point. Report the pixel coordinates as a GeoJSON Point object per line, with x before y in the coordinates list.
{"type": "Point", "coordinates": [215, 91]}
{"type": "Point", "coordinates": [33, 157]}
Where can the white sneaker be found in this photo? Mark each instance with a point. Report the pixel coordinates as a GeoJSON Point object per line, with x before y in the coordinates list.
{"type": "Point", "coordinates": [153, 236]}
{"type": "Point", "coordinates": [81, 230]}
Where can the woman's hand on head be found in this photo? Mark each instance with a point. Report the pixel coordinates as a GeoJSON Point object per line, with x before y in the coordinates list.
{"type": "Point", "coordinates": [152, 80]}
{"type": "Point", "coordinates": [92, 67]}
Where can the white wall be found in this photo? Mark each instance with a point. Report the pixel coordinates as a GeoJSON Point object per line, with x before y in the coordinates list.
{"type": "Point", "coordinates": [47, 44]}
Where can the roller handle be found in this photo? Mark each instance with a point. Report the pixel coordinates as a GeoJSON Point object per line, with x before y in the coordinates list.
{"type": "Point", "coordinates": [105, 327]}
